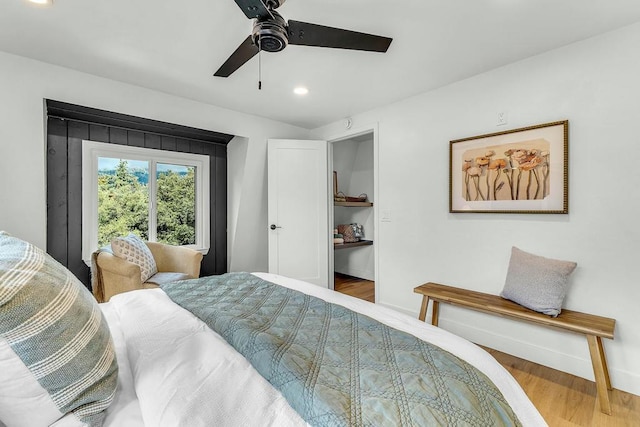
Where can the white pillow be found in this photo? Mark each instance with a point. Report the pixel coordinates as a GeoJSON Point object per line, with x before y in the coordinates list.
{"type": "Point", "coordinates": [537, 282]}
{"type": "Point", "coordinates": [57, 360]}
{"type": "Point", "coordinates": [135, 250]}
{"type": "Point", "coordinates": [21, 390]}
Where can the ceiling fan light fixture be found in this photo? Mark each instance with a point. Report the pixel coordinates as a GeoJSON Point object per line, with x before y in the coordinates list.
{"type": "Point", "coordinates": [301, 90]}
{"type": "Point", "coordinates": [272, 33]}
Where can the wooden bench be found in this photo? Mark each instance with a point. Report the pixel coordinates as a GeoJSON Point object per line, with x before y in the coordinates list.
{"type": "Point", "coordinates": [594, 327]}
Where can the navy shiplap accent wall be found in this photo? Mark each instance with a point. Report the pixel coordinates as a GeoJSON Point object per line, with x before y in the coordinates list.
{"type": "Point", "coordinates": [68, 125]}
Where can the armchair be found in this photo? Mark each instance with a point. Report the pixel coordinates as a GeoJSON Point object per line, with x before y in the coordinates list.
{"type": "Point", "coordinates": [115, 275]}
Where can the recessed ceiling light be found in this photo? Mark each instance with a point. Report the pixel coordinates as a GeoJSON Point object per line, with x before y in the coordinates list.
{"type": "Point", "coordinates": [301, 90]}
{"type": "Point", "coordinates": [42, 2]}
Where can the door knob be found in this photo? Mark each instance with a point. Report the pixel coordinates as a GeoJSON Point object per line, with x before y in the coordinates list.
{"type": "Point", "coordinates": [273, 227]}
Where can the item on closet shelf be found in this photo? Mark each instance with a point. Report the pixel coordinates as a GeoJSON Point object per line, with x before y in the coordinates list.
{"type": "Point", "coordinates": [351, 232]}
{"type": "Point", "coordinates": [361, 198]}
{"type": "Point", "coordinates": [341, 197]}
{"type": "Point", "coordinates": [358, 231]}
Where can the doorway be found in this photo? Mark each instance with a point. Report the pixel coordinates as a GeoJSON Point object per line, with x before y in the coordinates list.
{"type": "Point", "coordinates": [354, 266]}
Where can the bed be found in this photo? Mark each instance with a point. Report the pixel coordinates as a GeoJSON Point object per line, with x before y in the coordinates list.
{"type": "Point", "coordinates": [173, 369]}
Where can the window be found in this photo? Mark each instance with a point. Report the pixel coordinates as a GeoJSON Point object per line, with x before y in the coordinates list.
{"type": "Point", "coordinates": [159, 195]}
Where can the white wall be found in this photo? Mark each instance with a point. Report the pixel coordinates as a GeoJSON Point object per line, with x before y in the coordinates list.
{"type": "Point", "coordinates": [595, 85]}
{"type": "Point", "coordinates": [25, 83]}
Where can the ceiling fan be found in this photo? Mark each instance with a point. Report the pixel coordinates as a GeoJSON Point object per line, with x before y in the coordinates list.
{"type": "Point", "coordinates": [272, 33]}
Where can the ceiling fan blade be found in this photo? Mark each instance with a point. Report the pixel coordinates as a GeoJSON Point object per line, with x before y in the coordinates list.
{"type": "Point", "coordinates": [305, 34]}
{"type": "Point", "coordinates": [242, 54]}
{"type": "Point", "coordinates": [254, 9]}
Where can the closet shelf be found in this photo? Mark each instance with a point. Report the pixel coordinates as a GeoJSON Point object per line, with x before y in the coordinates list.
{"type": "Point", "coordinates": [354, 204]}
{"type": "Point", "coordinates": [353, 244]}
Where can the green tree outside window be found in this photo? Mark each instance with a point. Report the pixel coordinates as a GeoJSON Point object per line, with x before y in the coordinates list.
{"type": "Point", "coordinates": [123, 203]}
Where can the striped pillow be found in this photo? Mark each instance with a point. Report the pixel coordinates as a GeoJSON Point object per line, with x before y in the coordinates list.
{"type": "Point", "coordinates": [57, 359]}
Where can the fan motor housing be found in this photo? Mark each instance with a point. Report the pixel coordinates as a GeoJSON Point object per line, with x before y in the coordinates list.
{"type": "Point", "coordinates": [274, 4]}
{"type": "Point", "coordinates": [269, 34]}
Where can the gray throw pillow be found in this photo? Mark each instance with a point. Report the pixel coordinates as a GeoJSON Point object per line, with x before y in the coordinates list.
{"type": "Point", "coordinates": [537, 282]}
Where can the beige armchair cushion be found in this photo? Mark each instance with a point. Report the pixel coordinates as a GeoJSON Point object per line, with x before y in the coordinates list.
{"type": "Point", "coordinates": [115, 275]}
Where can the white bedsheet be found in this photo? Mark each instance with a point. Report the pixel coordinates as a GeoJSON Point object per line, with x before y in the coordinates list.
{"type": "Point", "coordinates": [175, 371]}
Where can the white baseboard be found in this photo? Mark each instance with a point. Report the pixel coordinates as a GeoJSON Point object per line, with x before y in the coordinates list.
{"type": "Point", "coordinates": [400, 309]}
{"type": "Point", "coordinates": [356, 272]}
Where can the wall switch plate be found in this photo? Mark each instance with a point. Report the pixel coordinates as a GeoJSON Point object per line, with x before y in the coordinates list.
{"type": "Point", "coordinates": [502, 118]}
{"type": "Point", "coordinates": [386, 215]}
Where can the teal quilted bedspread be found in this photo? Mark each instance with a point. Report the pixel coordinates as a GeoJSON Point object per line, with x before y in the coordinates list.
{"type": "Point", "coordinates": [337, 367]}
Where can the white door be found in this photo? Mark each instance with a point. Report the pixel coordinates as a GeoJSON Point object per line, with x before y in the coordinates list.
{"type": "Point", "coordinates": [298, 190]}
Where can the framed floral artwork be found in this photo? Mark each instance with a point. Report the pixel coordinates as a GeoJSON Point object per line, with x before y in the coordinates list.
{"type": "Point", "coordinates": [516, 171]}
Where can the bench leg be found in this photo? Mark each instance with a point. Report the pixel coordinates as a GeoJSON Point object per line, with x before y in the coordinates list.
{"type": "Point", "coordinates": [601, 372]}
{"type": "Point", "coordinates": [435, 312]}
{"type": "Point", "coordinates": [423, 308]}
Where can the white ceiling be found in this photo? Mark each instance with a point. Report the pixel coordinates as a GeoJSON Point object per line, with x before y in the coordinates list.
{"type": "Point", "coordinates": [175, 46]}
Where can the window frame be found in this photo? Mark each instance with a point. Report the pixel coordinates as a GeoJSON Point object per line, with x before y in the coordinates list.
{"type": "Point", "coordinates": [92, 150]}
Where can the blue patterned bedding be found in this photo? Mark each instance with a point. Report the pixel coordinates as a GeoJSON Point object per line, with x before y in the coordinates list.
{"type": "Point", "coordinates": [337, 367]}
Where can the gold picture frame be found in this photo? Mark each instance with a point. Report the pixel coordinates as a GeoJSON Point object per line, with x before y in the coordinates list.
{"type": "Point", "coordinates": [522, 170]}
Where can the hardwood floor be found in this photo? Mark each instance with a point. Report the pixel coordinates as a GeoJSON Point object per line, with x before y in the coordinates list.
{"type": "Point", "coordinates": [354, 286]}
{"type": "Point", "coordinates": [563, 399]}
{"type": "Point", "coordinates": [566, 400]}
